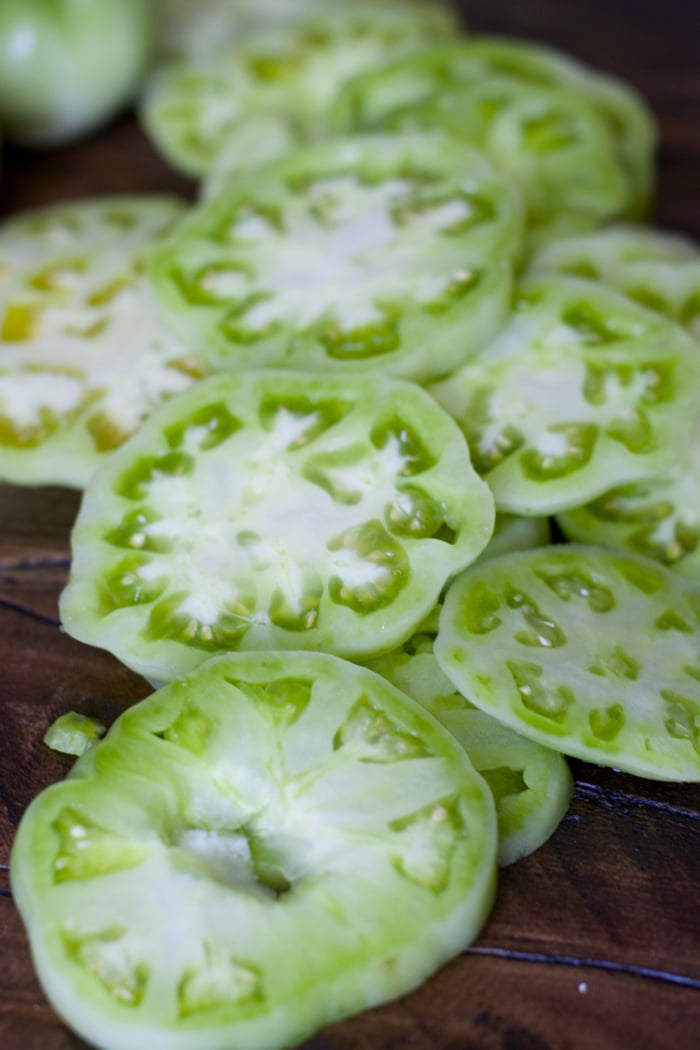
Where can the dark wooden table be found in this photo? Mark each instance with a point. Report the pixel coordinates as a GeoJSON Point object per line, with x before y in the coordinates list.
{"type": "Point", "coordinates": [594, 942]}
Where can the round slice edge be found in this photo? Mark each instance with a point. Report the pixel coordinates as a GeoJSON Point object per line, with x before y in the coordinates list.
{"type": "Point", "coordinates": [587, 650]}
{"type": "Point", "coordinates": [254, 851]}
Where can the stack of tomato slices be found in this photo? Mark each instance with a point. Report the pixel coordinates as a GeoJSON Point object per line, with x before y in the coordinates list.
{"type": "Point", "coordinates": [328, 422]}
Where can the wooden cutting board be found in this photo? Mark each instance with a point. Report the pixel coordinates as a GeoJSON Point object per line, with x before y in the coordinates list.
{"type": "Point", "coordinates": [594, 943]}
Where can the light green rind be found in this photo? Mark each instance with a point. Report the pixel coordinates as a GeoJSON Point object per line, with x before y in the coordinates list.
{"type": "Point", "coordinates": [386, 253]}
{"type": "Point", "coordinates": [274, 511]}
{"type": "Point", "coordinates": [255, 851]}
{"type": "Point", "coordinates": [583, 390]}
{"type": "Point", "coordinates": [589, 651]}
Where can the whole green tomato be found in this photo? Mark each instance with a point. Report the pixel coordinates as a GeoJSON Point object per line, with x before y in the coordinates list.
{"type": "Point", "coordinates": [67, 66]}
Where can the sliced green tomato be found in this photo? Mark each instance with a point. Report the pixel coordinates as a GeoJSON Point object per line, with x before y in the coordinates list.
{"type": "Point", "coordinates": [274, 511]}
{"type": "Point", "coordinates": [259, 849]}
{"type": "Point", "coordinates": [379, 98]}
{"type": "Point", "coordinates": [582, 391]}
{"type": "Point", "coordinates": [73, 733]}
{"type": "Point", "coordinates": [589, 651]}
{"type": "Point", "coordinates": [658, 269]}
{"type": "Point", "coordinates": [558, 150]}
{"type": "Point", "coordinates": [532, 785]}
{"type": "Point", "coordinates": [659, 518]}
{"type": "Point", "coordinates": [286, 72]}
{"type": "Point", "coordinates": [195, 34]}
{"type": "Point", "coordinates": [386, 253]}
{"type": "Point", "coordinates": [84, 353]}
{"type": "Point", "coordinates": [550, 141]}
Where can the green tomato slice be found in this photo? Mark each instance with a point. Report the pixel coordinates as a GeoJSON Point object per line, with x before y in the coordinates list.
{"type": "Point", "coordinates": [195, 34]}
{"type": "Point", "coordinates": [378, 98]}
{"type": "Point", "coordinates": [278, 81]}
{"type": "Point", "coordinates": [532, 785]}
{"type": "Point", "coordinates": [257, 850]}
{"type": "Point", "coordinates": [658, 269]}
{"type": "Point", "coordinates": [386, 253]}
{"type": "Point", "coordinates": [659, 518]}
{"type": "Point", "coordinates": [586, 650]}
{"type": "Point", "coordinates": [550, 141]}
{"type": "Point", "coordinates": [274, 511]}
{"type": "Point", "coordinates": [583, 390]}
{"type": "Point", "coordinates": [84, 354]}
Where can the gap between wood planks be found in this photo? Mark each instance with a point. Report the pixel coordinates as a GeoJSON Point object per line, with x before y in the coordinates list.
{"type": "Point", "coordinates": [32, 614]}
{"type": "Point", "coordinates": [513, 955]}
{"type": "Point", "coordinates": [614, 799]}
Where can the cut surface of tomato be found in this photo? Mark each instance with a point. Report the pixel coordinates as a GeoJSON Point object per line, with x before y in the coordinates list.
{"type": "Point", "coordinates": [586, 650]}
{"type": "Point", "coordinates": [274, 511]}
{"type": "Point", "coordinates": [269, 90]}
{"type": "Point", "coordinates": [85, 353]}
{"type": "Point", "coordinates": [658, 269]}
{"type": "Point", "coordinates": [534, 109]}
{"type": "Point", "coordinates": [259, 849]}
{"type": "Point", "coordinates": [531, 784]}
{"type": "Point", "coordinates": [385, 253]}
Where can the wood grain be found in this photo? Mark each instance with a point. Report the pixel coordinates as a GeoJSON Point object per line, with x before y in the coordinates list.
{"type": "Point", "coordinates": [595, 939]}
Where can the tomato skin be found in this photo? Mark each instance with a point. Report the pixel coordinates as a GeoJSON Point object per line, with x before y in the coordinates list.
{"type": "Point", "coordinates": [67, 66]}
